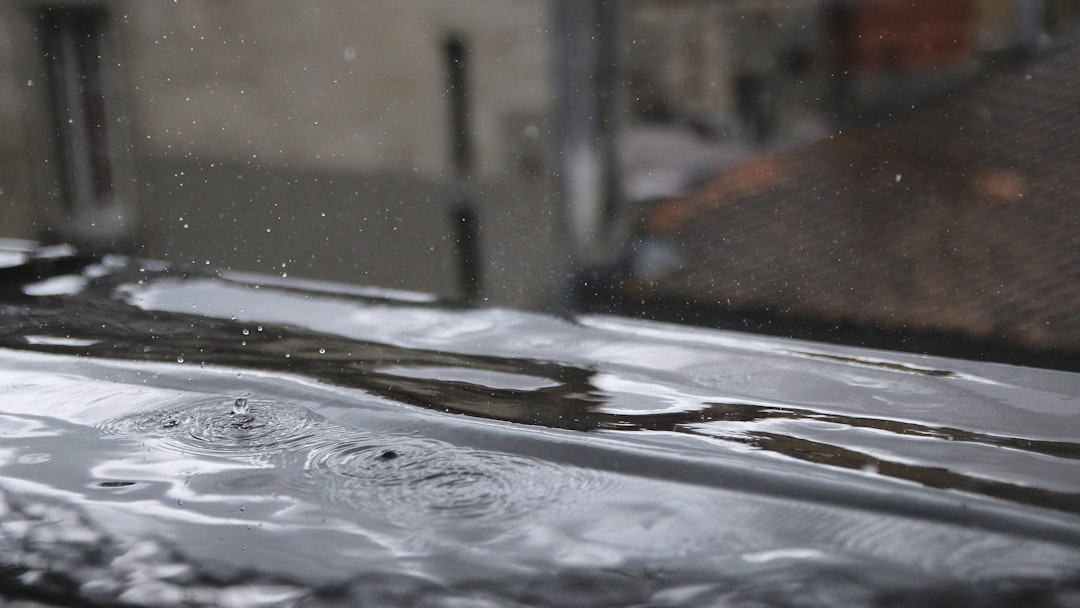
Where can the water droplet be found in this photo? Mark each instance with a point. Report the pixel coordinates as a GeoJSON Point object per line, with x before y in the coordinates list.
{"type": "Point", "coordinates": [180, 358]}
{"type": "Point", "coordinates": [246, 332]}
{"type": "Point", "coordinates": [322, 351]}
{"type": "Point", "coordinates": [240, 407]}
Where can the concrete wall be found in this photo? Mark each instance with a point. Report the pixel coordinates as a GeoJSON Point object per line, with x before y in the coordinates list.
{"type": "Point", "coordinates": [332, 84]}
{"type": "Point", "coordinates": [19, 89]}
{"type": "Point", "coordinates": [17, 211]}
{"type": "Point", "coordinates": [313, 138]}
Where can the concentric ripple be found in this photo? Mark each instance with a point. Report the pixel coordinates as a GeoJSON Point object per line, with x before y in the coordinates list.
{"type": "Point", "coordinates": [221, 427]}
{"type": "Point", "coordinates": [425, 478]}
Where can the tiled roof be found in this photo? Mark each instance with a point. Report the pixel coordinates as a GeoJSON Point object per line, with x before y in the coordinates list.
{"type": "Point", "coordinates": [961, 218]}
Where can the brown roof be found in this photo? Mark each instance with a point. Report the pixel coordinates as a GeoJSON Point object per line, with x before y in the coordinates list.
{"type": "Point", "coordinates": [963, 217]}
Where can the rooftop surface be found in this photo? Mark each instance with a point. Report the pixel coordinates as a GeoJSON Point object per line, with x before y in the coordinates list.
{"type": "Point", "coordinates": [958, 219]}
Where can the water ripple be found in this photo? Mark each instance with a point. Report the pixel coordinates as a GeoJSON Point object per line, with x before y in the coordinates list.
{"type": "Point", "coordinates": [426, 478]}
{"type": "Point", "coordinates": [217, 426]}
{"type": "Point", "coordinates": [410, 477]}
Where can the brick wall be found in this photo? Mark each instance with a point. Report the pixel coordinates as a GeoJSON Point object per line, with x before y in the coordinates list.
{"type": "Point", "coordinates": [888, 35]}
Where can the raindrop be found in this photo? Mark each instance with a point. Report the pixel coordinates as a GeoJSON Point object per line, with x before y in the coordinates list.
{"type": "Point", "coordinates": [322, 351]}
{"type": "Point", "coordinates": [240, 407]}
{"type": "Point", "coordinates": [180, 358]}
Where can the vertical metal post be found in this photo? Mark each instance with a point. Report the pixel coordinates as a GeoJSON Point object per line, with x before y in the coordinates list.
{"type": "Point", "coordinates": [588, 107]}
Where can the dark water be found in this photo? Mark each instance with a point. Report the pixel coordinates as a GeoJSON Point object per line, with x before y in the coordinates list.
{"type": "Point", "coordinates": [176, 439]}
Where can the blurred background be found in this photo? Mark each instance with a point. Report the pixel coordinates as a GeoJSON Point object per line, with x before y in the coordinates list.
{"type": "Point", "coordinates": [895, 173]}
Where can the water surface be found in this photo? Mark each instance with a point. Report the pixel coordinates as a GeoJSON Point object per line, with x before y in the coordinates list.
{"type": "Point", "coordinates": [172, 438]}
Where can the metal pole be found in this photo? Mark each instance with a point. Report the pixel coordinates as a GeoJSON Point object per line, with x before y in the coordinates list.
{"type": "Point", "coordinates": [587, 89]}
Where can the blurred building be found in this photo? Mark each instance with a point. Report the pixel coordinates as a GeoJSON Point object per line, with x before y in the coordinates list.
{"type": "Point", "coordinates": [464, 147]}
{"type": "Point", "coordinates": [405, 143]}
{"type": "Point", "coordinates": [952, 229]}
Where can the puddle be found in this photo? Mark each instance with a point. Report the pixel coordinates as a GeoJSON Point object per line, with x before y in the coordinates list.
{"type": "Point", "coordinates": [174, 440]}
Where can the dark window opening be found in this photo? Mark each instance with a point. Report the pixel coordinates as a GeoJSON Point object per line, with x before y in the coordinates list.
{"type": "Point", "coordinates": [753, 103]}
{"type": "Point", "coordinates": [463, 216]}
{"type": "Point", "coordinates": [455, 54]}
{"type": "Point", "coordinates": [71, 41]}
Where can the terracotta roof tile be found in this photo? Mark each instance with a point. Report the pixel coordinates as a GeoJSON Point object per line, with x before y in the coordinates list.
{"type": "Point", "coordinates": [962, 217]}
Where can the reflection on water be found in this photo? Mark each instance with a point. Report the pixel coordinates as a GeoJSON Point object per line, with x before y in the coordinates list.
{"type": "Point", "coordinates": [344, 449]}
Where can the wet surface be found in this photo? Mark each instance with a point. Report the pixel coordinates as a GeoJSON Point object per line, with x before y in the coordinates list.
{"type": "Point", "coordinates": [176, 438]}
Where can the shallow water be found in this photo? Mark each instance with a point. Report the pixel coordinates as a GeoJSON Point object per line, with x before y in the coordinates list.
{"type": "Point", "coordinates": [176, 439]}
